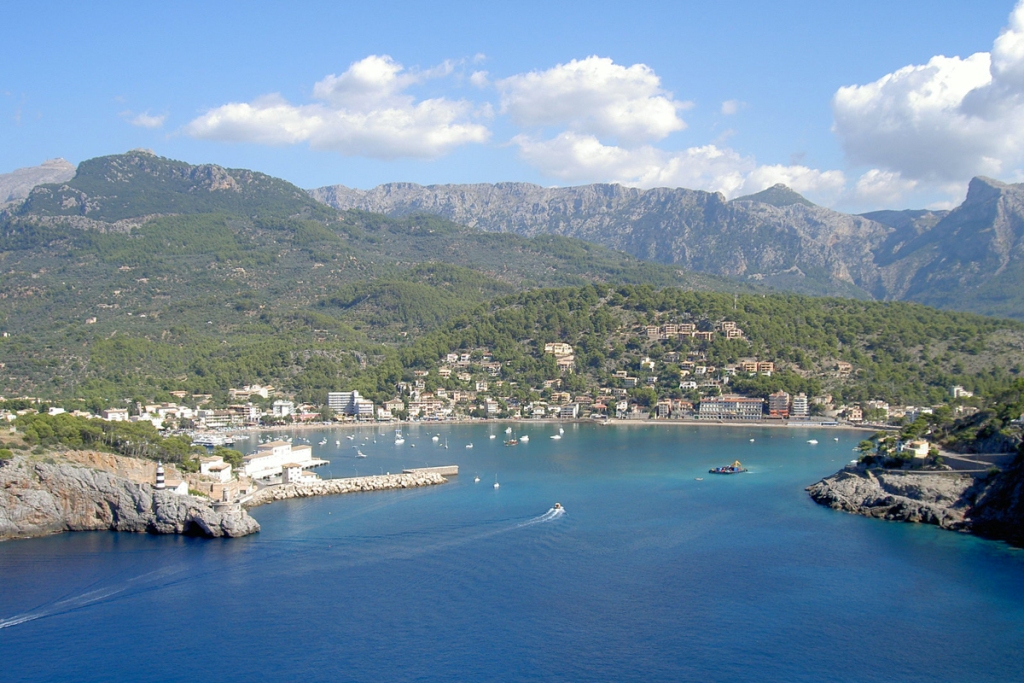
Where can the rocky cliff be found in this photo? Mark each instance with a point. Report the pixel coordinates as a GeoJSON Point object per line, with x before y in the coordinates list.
{"type": "Point", "coordinates": [18, 183]}
{"type": "Point", "coordinates": [992, 507]}
{"type": "Point", "coordinates": [939, 499]}
{"type": "Point", "coordinates": [971, 258]}
{"type": "Point", "coordinates": [39, 498]}
{"type": "Point", "coordinates": [776, 237]}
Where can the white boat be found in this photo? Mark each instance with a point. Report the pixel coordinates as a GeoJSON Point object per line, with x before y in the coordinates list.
{"type": "Point", "coordinates": [469, 445]}
{"type": "Point", "coordinates": [337, 442]}
{"type": "Point", "coordinates": [524, 438]}
{"type": "Point", "coordinates": [813, 442]}
{"type": "Point", "coordinates": [399, 441]}
{"type": "Point", "coordinates": [496, 484]}
{"type": "Point", "coordinates": [561, 431]}
{"type": "Point", "coordinates": [492, 436]}
{"type": "Point", "coordinates": [351, 437]}
{"type": "Point", "coordinates": [435, 438]}
{"type": "Point", "coordinates": [835, 438]}
{"type": "Point", "coordinates": [556, 436]}
{"type": "Point", "coordinates": [508, 430]}
{"type": "Point", "coordinates": [476, 480]}
{"type": "Point", "coordinates": [360, 454]}
{"type": "Point", "coordinates": [751, 441]}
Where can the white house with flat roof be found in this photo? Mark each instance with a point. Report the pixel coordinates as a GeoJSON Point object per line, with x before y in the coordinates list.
{"type": "Point", "coordinates": [269, 459]}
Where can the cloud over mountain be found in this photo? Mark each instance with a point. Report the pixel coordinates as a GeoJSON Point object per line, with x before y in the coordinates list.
{"type": "Point", "coordinates": [946, 120]}
{"type": "Point", "coordinates": [364, 111]}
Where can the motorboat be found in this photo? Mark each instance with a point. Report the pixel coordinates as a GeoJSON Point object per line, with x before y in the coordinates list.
{"type": "Point", "coordinates": [476, 480]}
{"type": "Point", "coordinates": [813, 442]}
{"type": "Point", "coordinates": [558, 506]}
{"type": "Point", "coordinates": [508, 430]}
{"type": "Point", "coordinates": [469, 445]}
{"type": "Point", "coordinates": [556, 436]}
{"type": "Point", "coordinates": [735, 468]}
{"type": "Point", "coordinates": [360, 454]}
{"type": "Point", "coordinates": [492, 436]}
{"type": "Point", "coordinates": [524, 438]}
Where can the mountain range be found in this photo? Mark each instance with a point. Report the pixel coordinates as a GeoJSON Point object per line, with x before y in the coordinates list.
{"type": "Point", "coordinates": [970, 258]}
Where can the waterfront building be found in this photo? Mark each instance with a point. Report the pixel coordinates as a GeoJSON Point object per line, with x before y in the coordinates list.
{"type": "Point", "coordinates": [778, 404]}
{"type": "Point", "coordinates": [349, 403]}
{"type": "Point", "coordinates": [269, 459]}
{"type": "Point", "coordinates": [731, 407]}
{"type": "Point", "coordinates": [800, 407]}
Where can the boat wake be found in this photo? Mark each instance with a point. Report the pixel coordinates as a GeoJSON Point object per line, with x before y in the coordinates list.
{"type": "Point", "coordinates": [140, 584]}
{"type": "Point", "coordinates": [550, 515]}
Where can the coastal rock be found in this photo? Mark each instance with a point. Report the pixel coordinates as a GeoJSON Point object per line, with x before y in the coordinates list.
{"type": "Point", "coordinates": [999, 508]}
{"type": "Point", "coordinates": [940, 499]}
{"type": "Point", "coordinates": [39, 498]}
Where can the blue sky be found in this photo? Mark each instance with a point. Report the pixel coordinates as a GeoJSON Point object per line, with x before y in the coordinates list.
{"type": "Point", "coordinates": [858, 105]}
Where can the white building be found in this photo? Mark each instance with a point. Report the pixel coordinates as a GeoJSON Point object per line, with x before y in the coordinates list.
{"type": "Point", "coordinates": [800, 407]}
{"type": "Point", "coordinates": [269, 458]}
{"type": "Point", "coordinates": [215, 467]}
{"type": "Point", "coordinates": [349, 403]}
{"type": "Point", "coordinates": [283, 408]}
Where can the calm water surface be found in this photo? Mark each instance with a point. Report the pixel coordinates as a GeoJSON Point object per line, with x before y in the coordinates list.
{"type": "Point", "coordinates": [650, 575]}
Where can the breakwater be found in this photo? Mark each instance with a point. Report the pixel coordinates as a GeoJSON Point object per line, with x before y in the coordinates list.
{"type": "Point", "coordinates": [330, 487]}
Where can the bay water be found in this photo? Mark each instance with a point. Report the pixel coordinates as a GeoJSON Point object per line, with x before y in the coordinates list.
{"type": "Point", "coordinates": [656, 571]}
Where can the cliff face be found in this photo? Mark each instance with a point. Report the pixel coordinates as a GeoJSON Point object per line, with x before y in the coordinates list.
{"type": "Point", "coordinates": [971, 258]}
{"type": "Point", "coordinates": [40, 498]}
{"type": "Point", "coordinates": [992, 507]}
{"type": "Point", "coordinates": [929, 498]}
{"type": "Point", "coordinates": [999, 509]}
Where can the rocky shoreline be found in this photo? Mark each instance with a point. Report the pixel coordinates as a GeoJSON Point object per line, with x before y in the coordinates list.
{"type": "Point", "coordinates": [41, 497]}
{"type": "Point", "coordinates": [991, 506]}
{"type": "Point", "coordinates": [940, 499]}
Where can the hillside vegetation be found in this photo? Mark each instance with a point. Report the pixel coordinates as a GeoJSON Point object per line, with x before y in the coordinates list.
{"type": "Point", "coordinates": [142, 276]}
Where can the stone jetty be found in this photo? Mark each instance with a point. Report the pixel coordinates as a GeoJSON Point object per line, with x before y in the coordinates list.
{"type": "Point", "coordinates": [329, 487]}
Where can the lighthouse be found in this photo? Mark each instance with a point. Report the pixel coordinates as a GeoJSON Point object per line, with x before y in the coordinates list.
{"type": "Point", "coordinates": [160, 485]}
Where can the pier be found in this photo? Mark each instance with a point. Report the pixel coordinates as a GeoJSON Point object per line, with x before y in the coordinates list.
{"type": "Point", "coordinates": [329, 487]}
{"type": "Point", "coordinates": [443, 470]}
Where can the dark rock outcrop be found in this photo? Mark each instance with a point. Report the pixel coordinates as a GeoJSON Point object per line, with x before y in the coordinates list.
{"type": "Point", "coordinates": [39, 498]}
{"type": "Point", "coordinates": [939, 499]}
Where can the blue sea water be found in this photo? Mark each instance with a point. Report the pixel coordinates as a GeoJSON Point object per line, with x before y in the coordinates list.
{"type": "Point", "coordinates": [649, 575]}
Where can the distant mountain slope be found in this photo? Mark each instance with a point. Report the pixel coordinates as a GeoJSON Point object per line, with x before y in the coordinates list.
{"type": "Point", "coordinates": [971, 258]}
{"type": "Point", "coordinates": [138, 253]}
{"type": "Point", "coordinates": [795, 245]}
{"type": "Point", "coordinates": [18, 183]}
{"type": "Point", "coordinates": [139, 183]}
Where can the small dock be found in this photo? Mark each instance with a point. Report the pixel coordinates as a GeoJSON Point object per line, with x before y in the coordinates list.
{"type": "Point", "coordinates": [444, 470]}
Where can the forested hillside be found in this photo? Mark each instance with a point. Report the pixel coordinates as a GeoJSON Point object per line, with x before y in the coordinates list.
{"type": "Point", "coordinates": [142, 276]}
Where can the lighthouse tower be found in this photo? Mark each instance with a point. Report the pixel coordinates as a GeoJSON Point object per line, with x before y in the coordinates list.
{"type": "Point", "coordinates": [160, 485]}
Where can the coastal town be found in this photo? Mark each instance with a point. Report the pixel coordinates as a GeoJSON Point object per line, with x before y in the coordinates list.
{"type": "Point", "coordinates": [472, 384]}
{"type": "Point", "coordinates": [661, 380]}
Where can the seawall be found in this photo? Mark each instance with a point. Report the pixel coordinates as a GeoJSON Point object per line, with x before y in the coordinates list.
{"type": "Point", "coordinates": [330, 487]}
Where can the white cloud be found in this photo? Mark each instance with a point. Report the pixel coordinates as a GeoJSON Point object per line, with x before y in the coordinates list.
{"type": "Point", "coordinates": [882, 188]}
{"type": "Point", "coordinates": [945, 120]}
{"type": "Point", "coordinates": [364, 111]}
{"type": "Point", "coordinates": [594, 96]}
{"type": "Point", "coordinates": [144, 120]}
{"type": "Point", "coordinates": [730, 107]}
{"type": "Point", "coordinates": [583, 158]}
{"type": "Point", "coordinates": [479, 79]}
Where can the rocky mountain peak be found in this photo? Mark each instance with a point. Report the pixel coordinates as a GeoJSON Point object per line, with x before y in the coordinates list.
{"type": "Point", "coordinates": [779, 195]}
{"type": "Point", "coordinates": [17, 184]}
{"type": "Point", "coordinates": [982, 189]}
